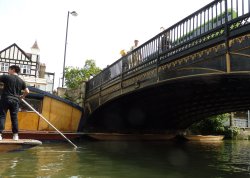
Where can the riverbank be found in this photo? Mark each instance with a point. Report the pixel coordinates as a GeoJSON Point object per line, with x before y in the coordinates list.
{"type": "Point", "coordinates": [242, 134]}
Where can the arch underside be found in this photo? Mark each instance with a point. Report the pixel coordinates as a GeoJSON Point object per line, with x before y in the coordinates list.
{"type": "Point", "coordinates": [173, 105]}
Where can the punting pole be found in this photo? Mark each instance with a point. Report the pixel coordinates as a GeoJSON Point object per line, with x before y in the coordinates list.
{"type": "Point", "coordinates": [48, 122]}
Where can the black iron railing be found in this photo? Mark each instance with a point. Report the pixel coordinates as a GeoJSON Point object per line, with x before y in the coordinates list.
{"type": "Point", "coordinates": [214, 22]}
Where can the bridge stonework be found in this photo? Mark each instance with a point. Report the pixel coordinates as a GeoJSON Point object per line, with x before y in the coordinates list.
{"type": "Point", "coordinates": [196, 77]}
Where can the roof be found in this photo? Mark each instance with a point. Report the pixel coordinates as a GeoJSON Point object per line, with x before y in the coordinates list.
{"type": "Point", "coordinates": [35, 46]}
{"type": "Point", "coordinates": [28, 54]}
{"type": "Point", "coordinates": [14, 48]}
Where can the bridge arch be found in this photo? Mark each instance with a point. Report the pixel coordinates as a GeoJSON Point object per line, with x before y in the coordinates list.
{"type": "Point", "coordinates": [173, 105]}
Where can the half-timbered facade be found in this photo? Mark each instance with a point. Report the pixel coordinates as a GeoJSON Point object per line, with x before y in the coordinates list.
{"type": "Point", "coordinates": [32, 71]}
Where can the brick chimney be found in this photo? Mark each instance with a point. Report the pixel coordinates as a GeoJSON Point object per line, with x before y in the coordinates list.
{"type": "Point", "coordinates": [42, 70]}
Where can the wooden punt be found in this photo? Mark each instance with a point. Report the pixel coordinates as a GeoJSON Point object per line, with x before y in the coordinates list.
{"type": "Point", "coordinates": [65, 115]}
{"type": "Point", "coordinates": [204, 137]}
{"type": "Point", "coordinates": [9, 145]}
{"type": "Point", "coordinates": [44, 135]}
{"type": "Point", "coordinates": [130, 137]}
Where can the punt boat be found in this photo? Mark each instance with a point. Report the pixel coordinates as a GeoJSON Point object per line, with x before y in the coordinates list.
{"type": "Point", "coordinates": [204, 137]}
{"type": "Point", "coordinates": [63, 114]}
{"type": "Point", "coordinates": [131, 137]}
{"type": "Point", "coordinates": [9, 145]}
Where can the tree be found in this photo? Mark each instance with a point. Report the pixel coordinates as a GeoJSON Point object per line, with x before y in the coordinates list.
{"type": "Point", "coordinates": [74, 76]}
{"type": "Point", "coordinates": [211, 125]}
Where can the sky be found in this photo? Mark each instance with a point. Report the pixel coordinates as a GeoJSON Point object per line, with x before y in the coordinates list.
{"type": "Point", "coordinates": [100, 31]}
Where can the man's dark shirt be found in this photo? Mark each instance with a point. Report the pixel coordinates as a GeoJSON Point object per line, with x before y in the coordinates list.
{"type": "Point", "coordinates": [12, 85]}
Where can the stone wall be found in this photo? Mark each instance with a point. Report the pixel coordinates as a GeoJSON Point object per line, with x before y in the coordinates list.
{"type": "Point", "coordinates": [244, 134]}
{"type": "Point", "coordinates": [75, 95]}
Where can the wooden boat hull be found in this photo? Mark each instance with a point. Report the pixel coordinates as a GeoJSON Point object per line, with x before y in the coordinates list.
{"type": "Point", "coordinates": [9, 145]}
{"type": "Point", "coordinates": [130, 137]}
{"type": "Point", "coordinates": [204, 137]}
{"type": "Point", "coordinates": [45, 135]}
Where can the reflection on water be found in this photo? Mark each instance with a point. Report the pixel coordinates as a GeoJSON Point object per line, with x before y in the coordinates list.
{"type": "Point", "coordinates": [131, 159]}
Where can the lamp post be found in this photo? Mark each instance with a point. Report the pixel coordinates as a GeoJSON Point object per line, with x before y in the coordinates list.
{"type": "Point", "coordinates": [65, 48]}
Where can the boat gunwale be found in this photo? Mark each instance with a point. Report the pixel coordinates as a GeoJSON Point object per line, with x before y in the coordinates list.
{"type": "Point", "coordinates": [40, 94]}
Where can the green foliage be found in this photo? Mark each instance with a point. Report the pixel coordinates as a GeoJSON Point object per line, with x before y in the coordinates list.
{"type": "Point", "coordinates": [74, 76]}
{"type": "Point", "coordinates": [231, 132]}
{"type": "Point", "coordinates": [211, 125]}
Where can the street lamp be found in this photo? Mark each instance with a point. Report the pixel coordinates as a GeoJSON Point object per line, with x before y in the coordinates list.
{"type": "Point", "coordinates": [65, 49]}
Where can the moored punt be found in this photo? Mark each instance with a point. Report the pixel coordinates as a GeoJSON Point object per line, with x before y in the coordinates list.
{"type": "Point", "coordinates": [204, 137]}
{"type": "Point", "coordinates": [8, 145]}
{"type": "Point", "coordinates": [61, 113]}
{"type": "Point", "coordinates": [130, 137]}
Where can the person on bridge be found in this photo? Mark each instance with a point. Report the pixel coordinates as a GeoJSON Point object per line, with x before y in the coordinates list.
{"type": "Point", "coordinates": [136, 55]}
{"type": "Point", "coordinates": [13, 86]}
{"type": "Point", "coordinates": [165, 41]}
{"type": "Point", "coordinates": [123, 53]}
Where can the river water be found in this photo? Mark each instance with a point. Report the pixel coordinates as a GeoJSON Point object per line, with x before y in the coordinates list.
{"type": "Point", "coordinates": [230, 159]}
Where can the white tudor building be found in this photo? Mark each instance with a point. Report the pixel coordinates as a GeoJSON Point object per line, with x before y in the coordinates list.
{"type": "Point", "coordinates": [32, 71]}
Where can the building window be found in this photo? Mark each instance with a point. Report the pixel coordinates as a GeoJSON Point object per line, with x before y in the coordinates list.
{"type": "Point", "coordinates": [25, 69]}
{"type": "Point", "coordinates": [5, 67]}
